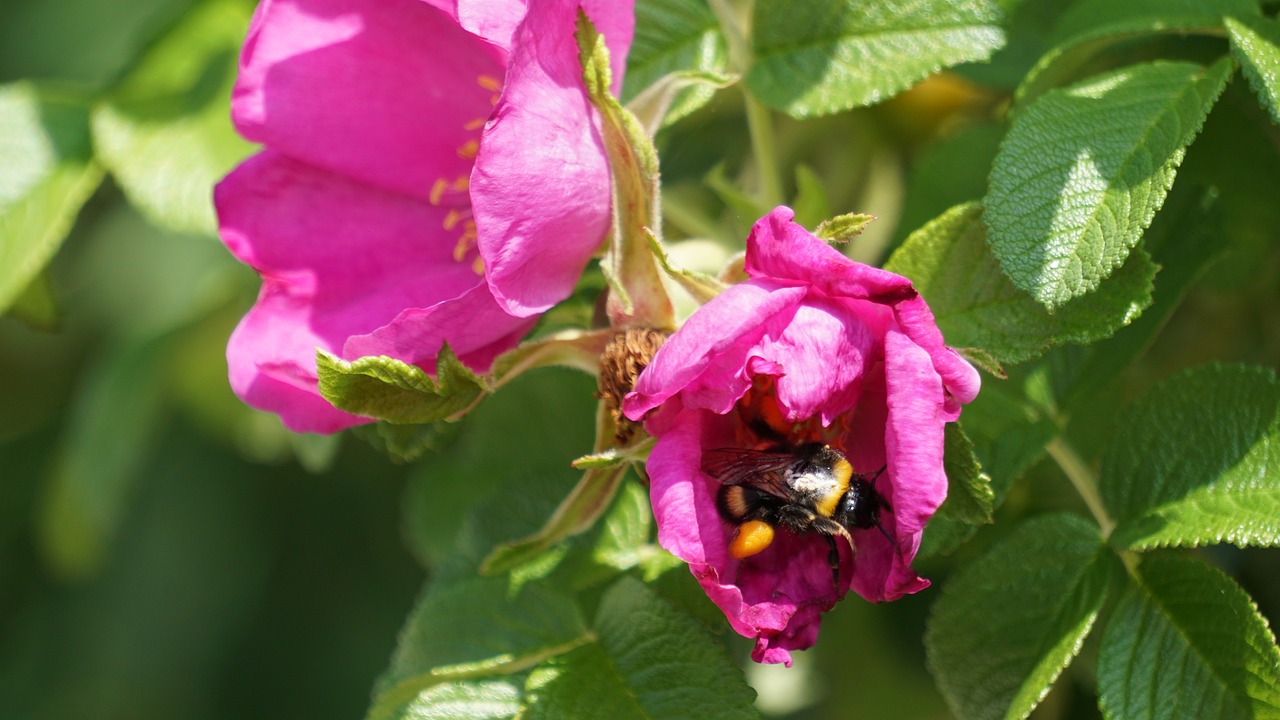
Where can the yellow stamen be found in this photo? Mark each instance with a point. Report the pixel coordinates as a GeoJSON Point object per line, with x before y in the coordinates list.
{"type": "Point", "coordinates": [474, 124]}
{"type": "Point", "coordinates": [489, 82]}
{"type": "Point", "coordinates": [469, 149]}
{"type": "Point", "coordinates": [462, 182]}
{"type": "Point", "coordinates": [477, 265]}
{"type": "Point", "coordinates": [437, 190]}
{"type": "Point", "coordinates": [466, 242]}
{"type": "Point", "coordinates": [452, 218]}
{"type": "Point", "coordinates": [493, 99]}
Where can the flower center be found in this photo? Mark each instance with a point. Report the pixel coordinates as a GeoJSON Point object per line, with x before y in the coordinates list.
{"type": "Point", "coordinates": [761, 423]}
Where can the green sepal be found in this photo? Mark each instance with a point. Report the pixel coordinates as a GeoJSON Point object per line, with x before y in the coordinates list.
{"type": "Point", "coordinates": [701, 287]}
{"type": "Point", "coordinates": [637, 296]}
{"type": "Point", "coordinates": [843, 228]}
{"type": "Point", "coordinates": [392, 390]}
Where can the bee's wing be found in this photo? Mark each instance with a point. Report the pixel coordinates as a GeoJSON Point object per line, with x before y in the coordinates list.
{"type": "Point", "coordinates": [762, 470]}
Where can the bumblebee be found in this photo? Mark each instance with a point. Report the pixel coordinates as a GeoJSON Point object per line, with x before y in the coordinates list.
{"type": "Point", "coordinates": [808, 488]}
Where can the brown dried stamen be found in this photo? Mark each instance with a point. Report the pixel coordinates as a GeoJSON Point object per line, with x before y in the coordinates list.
{"type": "Point", "coordinates": [626, 355]}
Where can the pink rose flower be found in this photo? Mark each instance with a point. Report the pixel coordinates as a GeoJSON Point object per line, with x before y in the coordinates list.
{"type": "Point", "coordinates": [432, 172]}
{"type": "Point", "coordinates": [812, 348]}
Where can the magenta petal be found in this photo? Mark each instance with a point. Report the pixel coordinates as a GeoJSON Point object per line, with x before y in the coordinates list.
{"type": "Point", "coordinates": [337, 259]}
{"type": "Point", "coordinates": [272, 367]}
{"type": "Point", "coordinates": [711, 349]}
{"type": "Point", "coordinates": [476, 329]}
{"type": "Point", "coordinates": [821, 356]}
{"type": "Point", "coordinates": [389, 92]}
{"type": "Point", "coordinates": [779, 248]}
{"type": "Point", "coordinates": [542, 150]}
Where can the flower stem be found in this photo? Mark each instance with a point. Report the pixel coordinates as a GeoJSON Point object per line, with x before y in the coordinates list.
{"type": "Point", "coordinates": [1084, 481]}
{"type": "Point", "coordinates": [759, 122]}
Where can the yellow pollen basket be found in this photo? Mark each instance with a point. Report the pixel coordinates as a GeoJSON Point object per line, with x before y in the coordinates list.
{"type": "Point", "coordinates": [753, 536]}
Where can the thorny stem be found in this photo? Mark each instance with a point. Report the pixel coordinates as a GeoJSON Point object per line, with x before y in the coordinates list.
{"type": "Point", "coordinates": [759, 122]}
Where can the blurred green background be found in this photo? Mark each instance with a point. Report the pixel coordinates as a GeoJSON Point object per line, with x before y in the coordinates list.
{"type": "Point", "coordinates": [165, 550]}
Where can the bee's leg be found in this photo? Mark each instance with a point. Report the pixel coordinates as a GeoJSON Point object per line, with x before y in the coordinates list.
{"type": "Point", "coordinates": [833, 559]}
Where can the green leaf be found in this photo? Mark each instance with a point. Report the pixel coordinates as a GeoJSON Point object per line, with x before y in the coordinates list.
{"type": "Point", "coordinates": [1187, 642]}
{"type": "Point", "coordinates": [577, 513]}
{"type": "Point", "coordinates": [114, 427]}
{"type": "Point", "coordinates": [496, 496]}
{"type": "Point", "coordinates": [1089, 27]}
{"type": "Point", "coordinates": [970, 499]}
{"type": "Point", "coordinates": [1007, 624]}
{"type": "Point", "coordinates": [37, 305]}
{"type": "Point", "coordinates": [675, 39]}
{"type": "Point", "coordinates": [811, 204]}
{"type": "Point", "coordinates": [48, 175]}
{"type": "Point", "coordinates": [975, 305]}
{"type": "Point", "coordinates": [164, 132]}
{"type": "Point", "coordinates": [1084, 169]}
{"type": "Point", "coordinates": [1192, 462]}
{"type": "Point", "coordinates": [817, 58]}
{"type": "Point", "coordinates": [388, 389]}
{"type": "Point", "coordinates": [1255, 42]}
{"type": "Point", "coordinates": [651, 662]}
{"type": "Point", "coordinates": [466, 700]}
{"type": "Point", "coordinates": [1184, 242]}
{"type": "Point", "coordinates": [406, 443]}
{"type": "Point", "coordinates": [471, 628]}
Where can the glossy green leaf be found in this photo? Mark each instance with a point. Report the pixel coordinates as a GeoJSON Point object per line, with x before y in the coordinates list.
{"type": "Point", "coordinates": [1084, 169]}
{"type": "Point", "coordinates": [48, 174]}
{"type": "Point", "coordinates": [1193, 462]}
{"type": "Point", "coordinates": [650, 662]}
{"type": "Point", "coordinates": [37, 305]}
{"type": "Point", "coordinates": [467, 700]}
{"type": "Point", "coordinates": [1255, 42]}
{"type": "Point", "coordinates": [1187, 642]}
{"type": "Point", "coordinates": [1185, 244]}
{"type": "Point", "coordinates": [1089, 27]}
{"type": "Point", "coordinates": [471, 628]}
{"type": "Point", "coordinates": [976, 306]}
{"type": "Point", "coordinates": [388, 389]}
{"type": "Point", "coordinates": [817, 58]}
{"type": "Point", "coordinates": [675, 38]}
{"type": "Point", "coordinates": [1007, 624]}
{"type": "Point", "coordinates": [970, 499]}
{"type": "Point", "coordinates": [165, 132]}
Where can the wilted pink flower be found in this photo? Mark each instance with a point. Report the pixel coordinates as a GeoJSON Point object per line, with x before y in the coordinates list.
{"type": "Point", "coordinates": [433, 173]}
{"type": "Point", "coordinates": [816, 348]}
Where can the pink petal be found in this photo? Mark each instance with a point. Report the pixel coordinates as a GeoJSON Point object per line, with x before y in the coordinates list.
{"type": "Point", "coordinates": [711, 349]}
{"type": "Point", "coordinates": [337, 258]}
{"type": "Point", "coordinates": [476, 329]}
{"type": "Point", "coordinates": [822, 354]}
{"type": "Point", "coordinates": [383, 91]}
{"type": "Point", "coordinates": [542, 150]}
{"type": "Point", "coordinates": [779, 248]}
